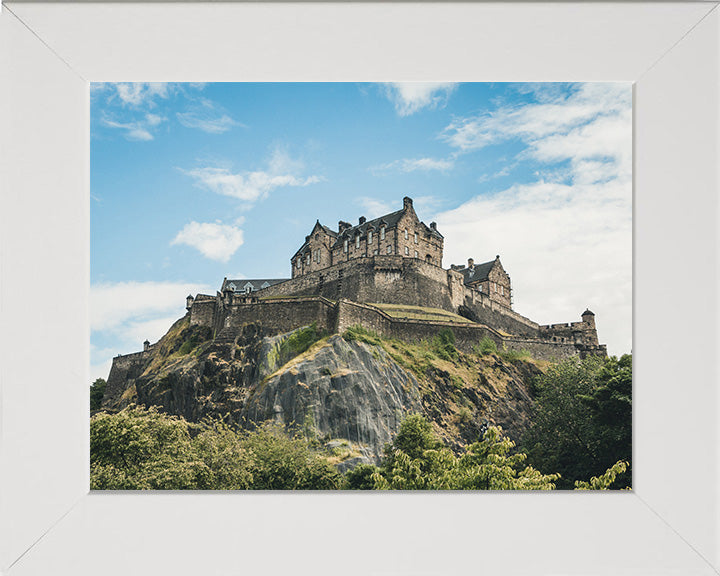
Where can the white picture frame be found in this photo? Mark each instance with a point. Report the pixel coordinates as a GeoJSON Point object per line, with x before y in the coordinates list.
{"type": "Point", "coordinates": [51, 524]}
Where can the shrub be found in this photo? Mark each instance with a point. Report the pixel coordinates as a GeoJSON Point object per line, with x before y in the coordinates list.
{"type": "Point", "coordinates": [299, 341]}
{"type": "Point", "coordinates": [361, 334]}
{"type": "Point", "coordinates": [512, 355]}
{"type": "Point", "coordinates": [486, 346]}
{"type": "Point", "coordinates": [444, 345]}
{"type": "Point", "coordinates": [97, 391]}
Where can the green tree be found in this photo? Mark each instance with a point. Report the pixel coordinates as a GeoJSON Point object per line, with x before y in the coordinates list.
{"type": "Point", "coordinates": [581, 422]}
{"type": "Point", "coordinates": [606, 481]}
{"type": "Point", "coordinates": [138, 449]}
{"type": "Point", "coordinates": [280, 462]}
{"type": "Point", "coordinates": [417, 460]}
{"type": "Point", "coordinates": [97, 390]}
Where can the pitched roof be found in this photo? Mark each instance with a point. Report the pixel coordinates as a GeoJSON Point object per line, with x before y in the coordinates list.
{"type": "Point", "coordinates": [478, 273]}
{"type": "Point", "coordinates": [256, 284]}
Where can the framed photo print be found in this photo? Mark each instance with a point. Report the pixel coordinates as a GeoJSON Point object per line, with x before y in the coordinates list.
{"type": "Point", "coordinates": [447, 254]}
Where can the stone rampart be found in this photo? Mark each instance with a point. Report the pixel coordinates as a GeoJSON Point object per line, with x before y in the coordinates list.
{"type": "Point", "coordinates": [283, 314]}
{"type": "Point", "coordinates": [382, 279]}
{"type": "Point", "coordinates": [125, 368]}
{"type": "Point", "coordinates": [492, 313]}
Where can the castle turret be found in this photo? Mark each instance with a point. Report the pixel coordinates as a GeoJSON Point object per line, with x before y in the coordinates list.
{"type": "Point", "coordinates": [189, 301]}
{"type": "Point", "coordinates": [146, 345]}
{"type": "Point", "coordinates": [589, 318]}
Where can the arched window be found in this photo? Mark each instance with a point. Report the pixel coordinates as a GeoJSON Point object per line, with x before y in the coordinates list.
{"type": "Point", "coordinates": [428, 258]}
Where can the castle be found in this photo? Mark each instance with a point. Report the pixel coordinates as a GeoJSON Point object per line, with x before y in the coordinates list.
{"type": "Point", "coordinates": [386, 275]}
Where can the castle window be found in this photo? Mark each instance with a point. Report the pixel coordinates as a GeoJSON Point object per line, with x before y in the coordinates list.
{"type": "Point", "coordinates": [357, 241]}
{"type": "Point", "coordinates": [389, 249]}
{"type": "Point", "coordinates": [406, 234]}
{"type": "Point", "coordinates": [407, 251]}
{"type": "Point", "coordinates": [382, 233]}
{"type": "Point", "coordinates": [376, 252]}
{"type": "Point", "coordinates": [415, 237]}
{"type": "Point", "coordinates": [416, 253]}
{"type": "Point", "coordinates": [248, 287]}
{"type": "Point", "coordinates": [369, 236]}
{"type": "Point", "coordinates": [502, 290]}
{"type": "Point", "coordinates": [307, 259]}
{"type": "Point", "coordinates": [345, 245]}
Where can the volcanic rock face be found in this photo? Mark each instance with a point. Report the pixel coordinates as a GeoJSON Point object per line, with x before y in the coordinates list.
{"type": "Point", "coordinates": [349, 395]}
{"type": "Point", "coordinates": [341, 389]}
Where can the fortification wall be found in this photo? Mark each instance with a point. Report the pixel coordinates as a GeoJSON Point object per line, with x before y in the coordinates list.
{"type": "Point", "coordinates": [542, 350]}
{"type": "Point", "coordinates": [204, 310]}
{"type": "Point", "coordinates": [578, 332]}
{"type": "Point", "coordinates": [284, 314]}
{"type": "Point", "coordinates": [384, 279]}
{"type": "Point", "coordinates": [466, 335]}
{"type": "Point", "coordinates": [125, 369]}
{"type": "Point", "coordinates": [492, 313]}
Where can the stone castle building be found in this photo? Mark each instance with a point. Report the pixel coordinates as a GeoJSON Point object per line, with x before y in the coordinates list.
{"type": "Point", "coordinates": [351, 275]}
{"type": "Point", "coordinates": [385, 275]}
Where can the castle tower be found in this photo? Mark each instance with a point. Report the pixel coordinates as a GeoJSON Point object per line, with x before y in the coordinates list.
{"type": "Point", "coordinates": [589, 318]}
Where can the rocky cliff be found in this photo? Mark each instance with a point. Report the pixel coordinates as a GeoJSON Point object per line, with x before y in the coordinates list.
{"type": "Point", "coordinates": [350, 392]}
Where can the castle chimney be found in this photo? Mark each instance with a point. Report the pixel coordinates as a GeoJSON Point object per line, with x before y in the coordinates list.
{"type": "Point", "coordinates": [189, 301]}
{"type": "Point", "coordinates": [407, 202]}
{"type": "Point", "coordinates": [361, 220]}
{"type": "Point", "coordinates": [146, 345]}
{"type": "Point", "coordinates": [433, 226]}
{"type": "Point", "coordinates": [497, 256]}
{"type": "Point", "coordinates": [471, 263]}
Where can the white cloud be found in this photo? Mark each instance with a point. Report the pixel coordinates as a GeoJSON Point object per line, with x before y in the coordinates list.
{"type": "Point", "coordinates": [208, 117]}
{"type": "Point", "coordinates": [530, 122]}
{"type": "Point", "coordinates": [124, 314]}
{"type": "Point", "coordinates": [566, 239]}
{"type": "Point", "coordinates": [253, 185]}
{"type": "Point", "coordinates": [116, 305]}
{"type": "Point", "coordinates": [411, 97]}
{"type": "Point", "coordinates": [414, 164]}
{"type": "Point", "coordinates": [139, 129]}
{"type": "Point", "coordinates": [140, 94]}
{"type": "Point", "coordinates": [374, 207]}
{"type": "Point", "coordinates": [213, 240]}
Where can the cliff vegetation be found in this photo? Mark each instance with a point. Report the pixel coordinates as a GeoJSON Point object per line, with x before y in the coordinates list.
{"type": "Point", "coordinates": [311, 410]}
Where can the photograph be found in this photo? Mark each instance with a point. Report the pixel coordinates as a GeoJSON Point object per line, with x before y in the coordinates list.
{"type": "Point", "coordinates": [361, 286]}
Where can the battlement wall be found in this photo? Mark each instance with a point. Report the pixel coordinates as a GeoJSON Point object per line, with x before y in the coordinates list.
{"type": "Point", "coordinates": [283, 314]}
{"type": "Point", "coordinates": [125, 368]}
{"type": "Point", "coordinates": [383, 279]}
{"type": "Point", "coordinates": [488, 311]}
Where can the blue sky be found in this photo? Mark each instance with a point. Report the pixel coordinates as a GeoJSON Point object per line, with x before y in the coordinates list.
{"type": "Point", "coordinates": [194, 182]}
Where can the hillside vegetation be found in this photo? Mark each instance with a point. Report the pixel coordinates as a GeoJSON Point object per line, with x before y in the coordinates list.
{"type": "Point", "coordinates": [337, 405]}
